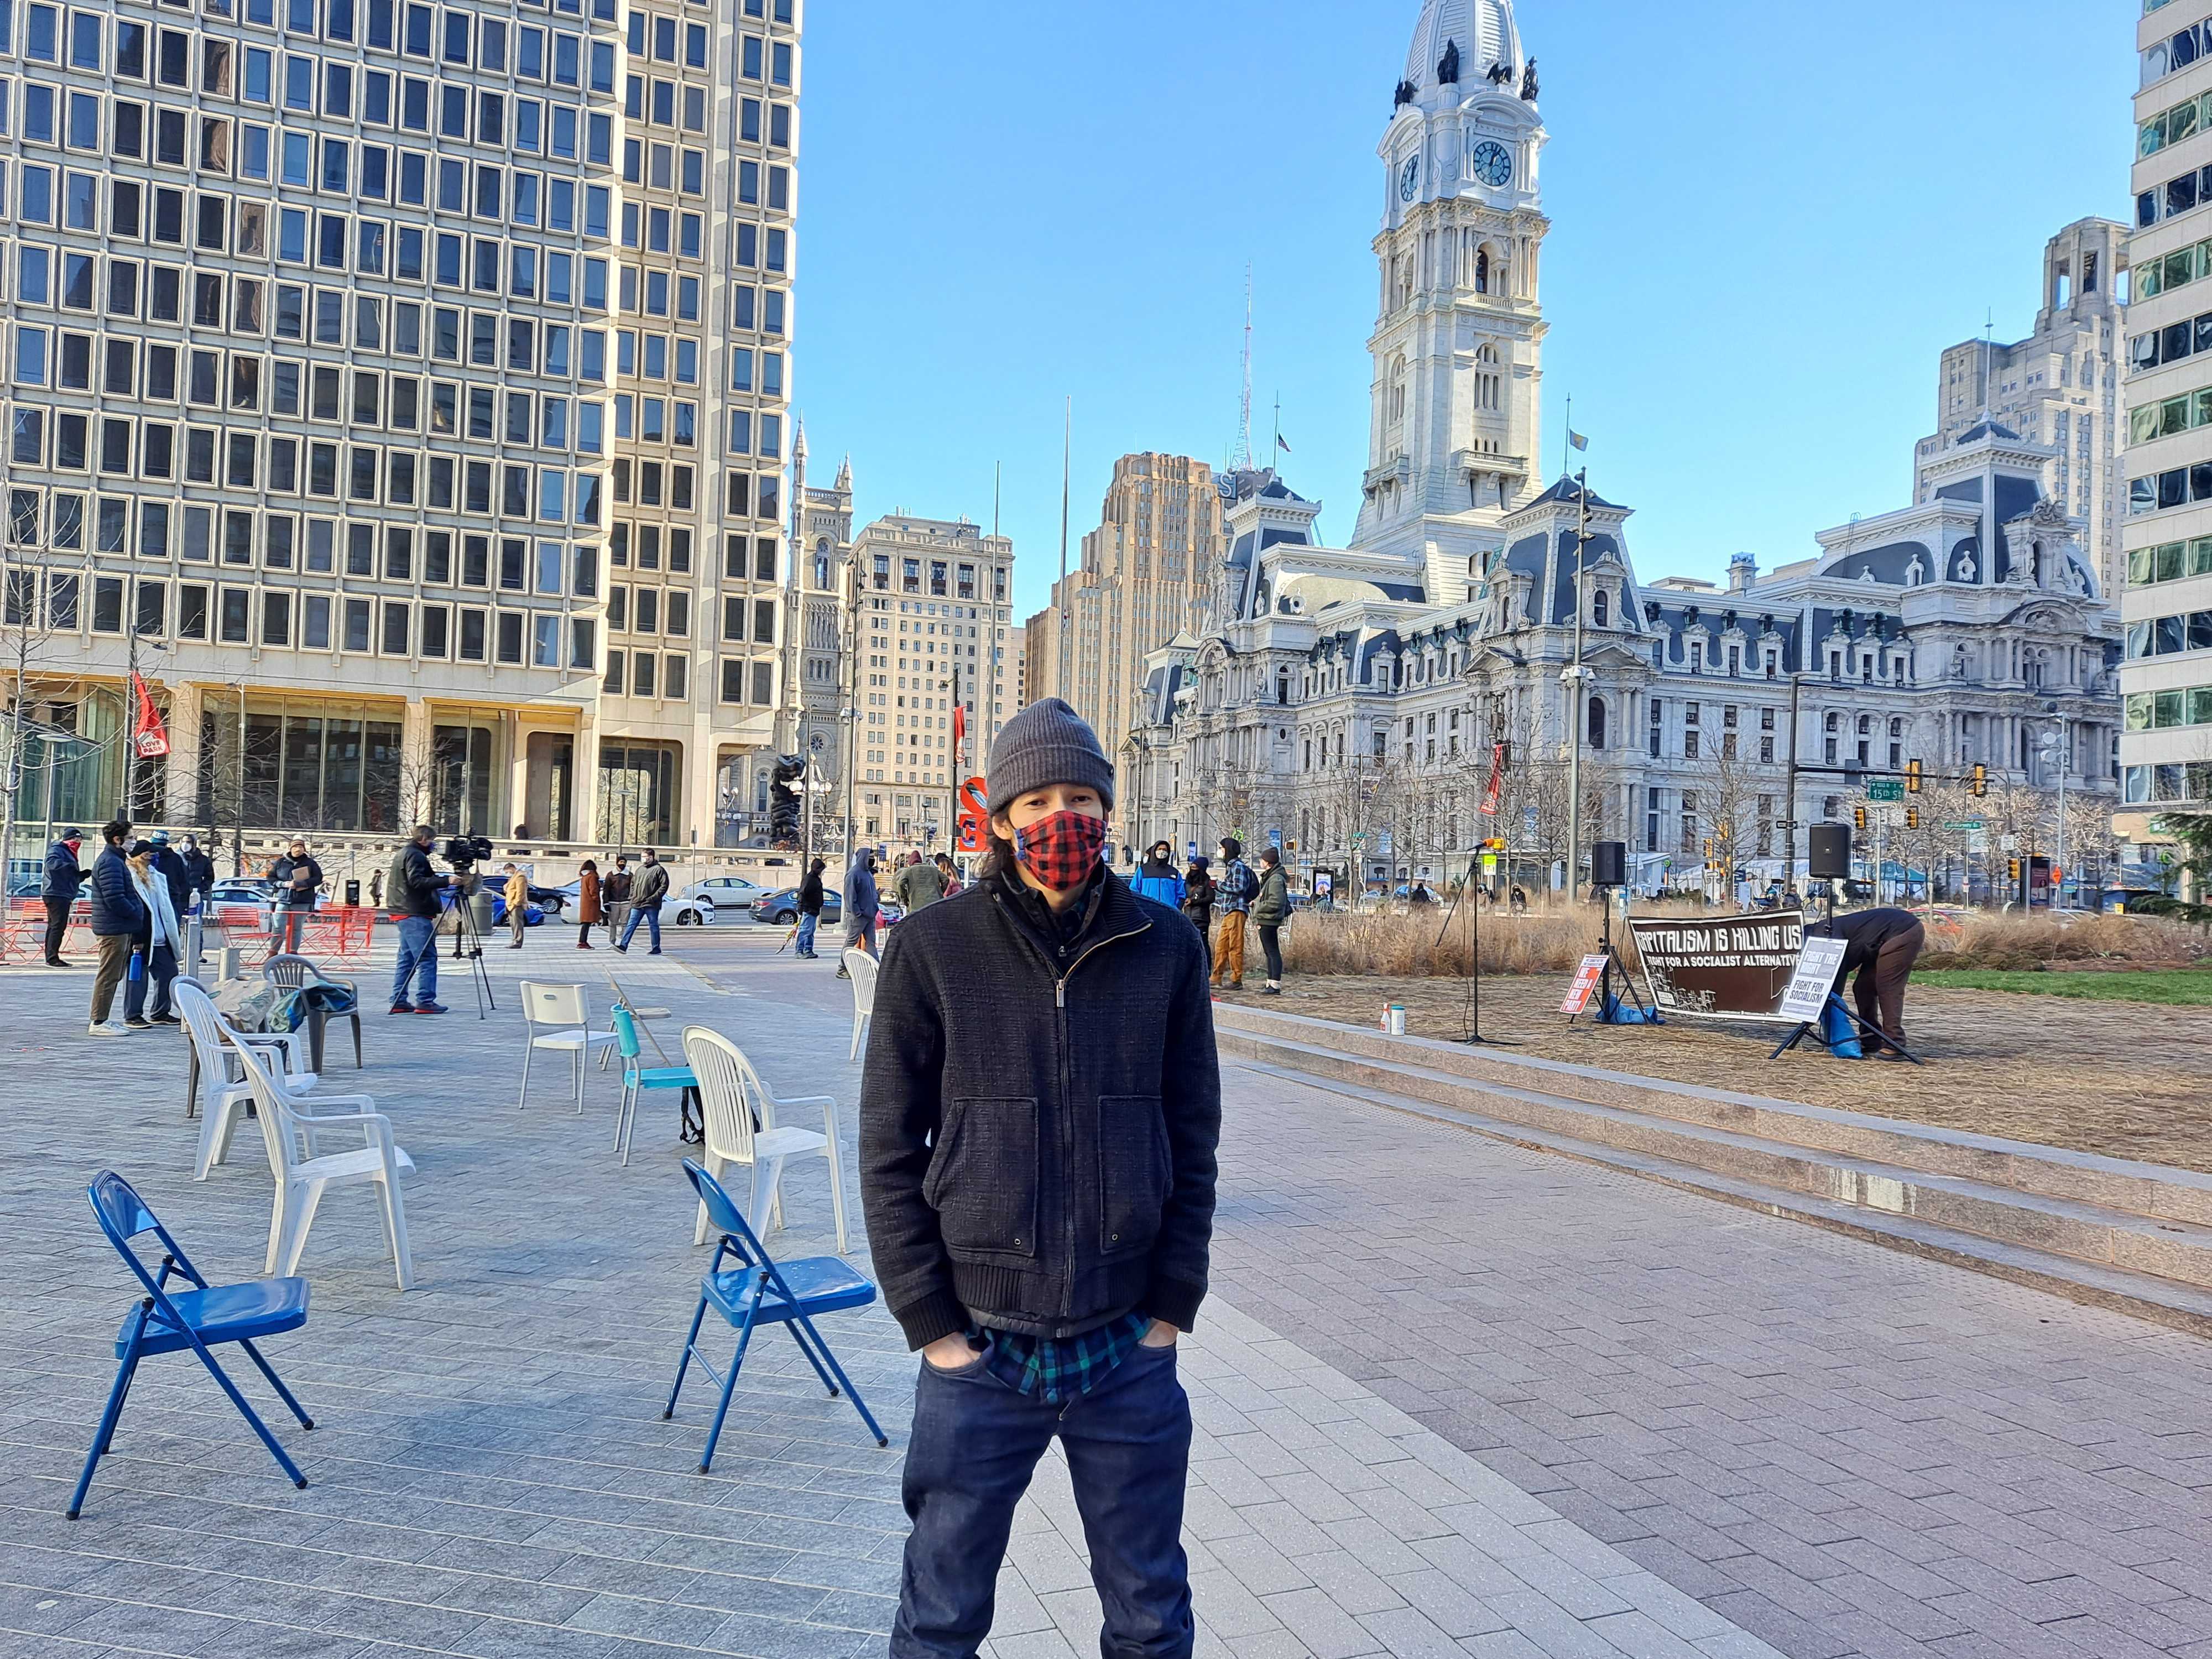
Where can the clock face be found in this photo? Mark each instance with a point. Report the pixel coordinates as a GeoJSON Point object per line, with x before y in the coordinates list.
{"type": "Point", "coordinates": [1490, 162]}
{"type": "Point", "coordinates": [1409, 181]}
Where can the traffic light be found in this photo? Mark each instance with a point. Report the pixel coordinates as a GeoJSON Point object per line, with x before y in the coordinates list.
{"type": "Point", "coordinates": [1912, 777]}
{"type": "Point", "coordinates": [1979, 783]}
{"type": "Point", "coordinates": [1912, 814]}
{"type": "Point", "coordinates": [2012, 871]}
{"type": "Point", "coordinates": [1858, 817]}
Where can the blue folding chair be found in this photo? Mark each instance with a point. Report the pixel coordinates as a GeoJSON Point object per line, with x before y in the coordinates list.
{"type": "Point", "coordinates": [637, 1078]}
{"type": "Point", "coordinates": [760, 1290]}
{"type": "Point", "coordinates": [197, 1319]}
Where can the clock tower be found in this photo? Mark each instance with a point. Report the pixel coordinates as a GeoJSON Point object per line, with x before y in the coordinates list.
{"type": "Point", "coordinates": [1458, 341]}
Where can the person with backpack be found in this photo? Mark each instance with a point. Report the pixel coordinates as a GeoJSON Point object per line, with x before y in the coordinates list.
{"type": "Point", "coordinates": [1270, 908]}
{"type": "Point", "coordinates": [810, 900]}
{"type": "Point", "coordinates": [1039, 1120]}
{"type": "Point", "coordinates": [1233, 897]}
{"type": "Point", "coordinates": [1198, 896]}
{"type": "Point", "coordinates": [1156, 877]}
{"type": "Point", "coordinates": [119, 916]}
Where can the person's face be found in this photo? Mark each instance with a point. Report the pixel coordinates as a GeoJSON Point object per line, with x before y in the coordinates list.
{"type": "Point", "coordinates": [1039, 804]}
{"type": "Point", "coordinates": [299, 849]}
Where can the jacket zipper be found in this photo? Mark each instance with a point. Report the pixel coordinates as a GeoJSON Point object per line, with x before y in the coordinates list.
{"type": "Point", "coordinates": [1067, 1090]}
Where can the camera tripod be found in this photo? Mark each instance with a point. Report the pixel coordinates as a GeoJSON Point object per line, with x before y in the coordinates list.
{"type": "Point", "coordinates": [468, 939]}
{"type": "Point", "coordinates": [1611, 952]}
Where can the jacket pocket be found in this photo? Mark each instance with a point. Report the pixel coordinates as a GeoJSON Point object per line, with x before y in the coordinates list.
{"type": "Point", "coordinates": [1134, 1169]}
{"type": "Point", "coordinates": [982, 1179]}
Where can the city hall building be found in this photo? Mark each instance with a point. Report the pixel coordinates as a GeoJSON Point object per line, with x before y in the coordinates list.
{"type": "Point", "coordinates": [1360, 705]}
{"type": "Point", "coordinates": [401, 391]}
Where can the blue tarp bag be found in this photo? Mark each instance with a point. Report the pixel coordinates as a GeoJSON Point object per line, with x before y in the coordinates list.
{"type": "Point", "coordinates": [1837, 1031]}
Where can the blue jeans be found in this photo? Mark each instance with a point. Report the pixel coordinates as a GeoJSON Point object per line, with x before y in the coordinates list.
{"type": "Point", "coordinates": [647, 914]}
{"type": "Point", "coordinates": [419, 950]}
{"type": "Point", "coordinates": [974, 1445]}
{"type": "Point", "coordinates": [804, 944]}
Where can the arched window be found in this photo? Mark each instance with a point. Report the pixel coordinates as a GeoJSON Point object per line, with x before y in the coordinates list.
{"type": "Point", "coordinates": [1601, 609]}
{"type": "Point", "coordinates": [1597, 722]}
{"type": "Point", "coordinates": [1398, 390]}
{"type": "Point", "coordinates": [1866, 724]}
{"type": "Point", "coordinates": [1482, 270]}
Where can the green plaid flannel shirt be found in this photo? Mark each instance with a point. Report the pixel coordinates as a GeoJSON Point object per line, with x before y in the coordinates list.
{"type": "Point", "coordinates": [1053, 1368]}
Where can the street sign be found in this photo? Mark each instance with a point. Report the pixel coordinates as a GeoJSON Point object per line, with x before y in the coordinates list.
{"type": "Point", "coordinates": [1886, 789]}
{"type": "Point", "coordinates": [1967, 824]}
{"type": "Point", "coordinates": [2008, 844]}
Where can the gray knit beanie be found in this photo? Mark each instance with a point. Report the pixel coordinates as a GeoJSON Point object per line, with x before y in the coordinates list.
{"type": "Point", "coordinates": [1047, 742]}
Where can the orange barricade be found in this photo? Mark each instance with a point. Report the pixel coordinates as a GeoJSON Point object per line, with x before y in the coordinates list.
{"type": "Point", "coordinates": [337, 935]}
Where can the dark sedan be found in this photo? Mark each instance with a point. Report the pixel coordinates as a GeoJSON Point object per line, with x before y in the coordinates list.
{"type": "Point", "coordinates": [782, 908]}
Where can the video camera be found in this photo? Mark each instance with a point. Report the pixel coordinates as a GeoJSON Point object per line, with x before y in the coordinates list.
{"type": "Point", "coordinates": [462, 852]}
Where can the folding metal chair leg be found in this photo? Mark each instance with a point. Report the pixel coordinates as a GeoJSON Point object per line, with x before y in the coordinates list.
{"type": "Point", "coordinates": [684, 1363]}
{"type": "Point", "coordinates": [106, 1432]}
{"type": "Point", "coordinates": [278, 1383]}
{"type": "Point", "coordinates": [851, 1393]}
{"type": "Point", "coordinates": [805, 1347]}
{"type": "Point", "coordinates": [722, 1408]}
{"type": "Point", "coordinates": [247, 1411]}
{"type": "Point", "coordinates": [128, 1375]}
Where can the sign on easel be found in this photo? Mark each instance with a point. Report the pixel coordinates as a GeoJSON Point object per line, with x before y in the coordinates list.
{"type": "Point", "coordinates": [1723, 967]}
{"type": "Point", "coordinates": [1587, 974]}
{"type": "Point", "coordinates": [1823, 959]}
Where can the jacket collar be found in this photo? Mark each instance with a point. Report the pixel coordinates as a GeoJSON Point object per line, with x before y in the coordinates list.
{"type": "Point", "coordinates": [1109, 910]}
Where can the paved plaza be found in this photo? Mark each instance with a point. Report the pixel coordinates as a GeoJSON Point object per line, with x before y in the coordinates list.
{"type": "Point", "coordinates": [1453, 1397]}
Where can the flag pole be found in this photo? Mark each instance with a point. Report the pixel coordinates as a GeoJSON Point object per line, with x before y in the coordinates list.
{"type": "Point", "coordinates": [1566, 453]}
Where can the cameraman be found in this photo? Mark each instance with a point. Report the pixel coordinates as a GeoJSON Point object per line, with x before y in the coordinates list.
{"type": "Point", "coordinates": [414, 888]}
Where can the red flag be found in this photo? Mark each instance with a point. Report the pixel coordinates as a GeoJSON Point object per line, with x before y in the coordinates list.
{"type": "Point", "coordinates": [1495, 787]}
{"type": "Point", "coordinates": [148, 735]}
{"type": "Point", "coordinates": [959, 731]}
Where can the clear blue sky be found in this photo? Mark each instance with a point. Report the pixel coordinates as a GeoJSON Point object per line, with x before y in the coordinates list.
{"type": "Point", "coordinates": [1767, 221]}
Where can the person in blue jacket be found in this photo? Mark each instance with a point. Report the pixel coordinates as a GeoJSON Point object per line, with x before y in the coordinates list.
{"type": "Point", "coordinates": [63, 876]}
{"type": "Point", "coordinates": [1157, 878]}
{"type": "Point", "coordinates": [119, 917]}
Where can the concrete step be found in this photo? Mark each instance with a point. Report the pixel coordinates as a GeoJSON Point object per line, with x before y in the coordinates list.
{"type": "Point", "coordinates": [2149, 1262]}
{"type": "Point", "coordinates": [2154, 1190]}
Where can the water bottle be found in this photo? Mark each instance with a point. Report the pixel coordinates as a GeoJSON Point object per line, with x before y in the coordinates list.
{"type": "Point", "coordinates": [137, 963]}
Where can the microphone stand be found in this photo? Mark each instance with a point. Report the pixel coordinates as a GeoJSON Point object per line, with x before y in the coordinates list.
{"type": "Point", "coordinates": [1474, 1038]}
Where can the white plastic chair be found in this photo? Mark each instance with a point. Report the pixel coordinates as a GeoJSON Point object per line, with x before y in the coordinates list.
{"type": "Point", "coordinates": [567, 1010]}
{"type": "Point", "coordinates": [304, 1170]}
{"type": "Point", "coordinates": [734, 1099]}
{"type": "Point", "coordinates": [862, 967]}
{"type": "Point", "coordinates": [215, 1041]}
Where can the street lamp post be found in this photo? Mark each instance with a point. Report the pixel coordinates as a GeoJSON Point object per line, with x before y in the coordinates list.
{"type": "Point", "coordinates": [1574, 677]}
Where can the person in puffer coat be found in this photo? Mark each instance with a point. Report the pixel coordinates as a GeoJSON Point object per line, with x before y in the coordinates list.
{"type": "Point", "coordinates": [1039, 1120]}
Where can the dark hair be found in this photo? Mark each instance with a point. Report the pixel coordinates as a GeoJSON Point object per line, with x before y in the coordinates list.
{"type": "Point", "coordinates": [421, 830]}
{"type": "Point", "coordinates": [1232, 848]}
{"type": "Point", "coordinates": [999, 858]}
{"type": "Point", "coordinates": [115, 830]}
{"type": "Point", "coordinates": [592, 865]}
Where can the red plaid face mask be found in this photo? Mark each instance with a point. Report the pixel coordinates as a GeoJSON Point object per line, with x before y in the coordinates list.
{"type": "Point", "coordinates": [1061, 849]}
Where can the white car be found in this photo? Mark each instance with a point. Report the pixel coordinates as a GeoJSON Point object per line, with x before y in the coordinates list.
{"type": "Point", "coordinates": [699, 904]}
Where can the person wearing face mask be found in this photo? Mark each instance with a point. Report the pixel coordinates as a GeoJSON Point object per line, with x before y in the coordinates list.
{"type": "Point", "coordinates": [1039, 1123]}
{"type": "Point", "coordinates": [862, 905]}
{"type": "Point", "coordinates": [1157, 878]}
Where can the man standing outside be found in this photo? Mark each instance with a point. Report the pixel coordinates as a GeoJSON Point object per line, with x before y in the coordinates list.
{"type": "Point", "coordinates": [63, 878]}
{"type": "Point", "coordinates": [647, 891]}
{"type": "Point", "coordinates": [809, 911]}
{"type": "Point", "coordinates": [170, 864]}
{"type": "Point", "coordinates": [297, 877]}
{"type": "Point", "coordinates": [919, 884]}
{"type": "Point", "coordinates": [1233, 891]}
{"type": "Point", "coordinates": [1039, 1122]}
{"type": "Point", "coordinates": [862, 905]}
{"type": "Point", "coordinates": [614, 893]}
{"type": "Point", "coordinates": [414, 890]}
{"type": "Point", "coordinates": [119, 916]}
{"type": "Point", "coordinates": [199, 867]}
{"type": "Point", "coordinates": [516, 894]}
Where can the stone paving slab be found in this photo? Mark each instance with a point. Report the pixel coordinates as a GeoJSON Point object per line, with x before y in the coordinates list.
{"type": "Point", "coordinates": [491, 1473]}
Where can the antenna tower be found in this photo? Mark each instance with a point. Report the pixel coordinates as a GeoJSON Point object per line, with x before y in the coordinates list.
{"type": "Point", "coordinates": [1242, 460]}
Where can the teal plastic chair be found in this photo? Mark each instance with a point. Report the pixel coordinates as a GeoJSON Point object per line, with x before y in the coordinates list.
{"type": "Point", "coordinates": [761, 1291]}
{"type": "Point", "coordinates": [167, 1322]}
{"type": "Point", "coordinates": [637, 1078]}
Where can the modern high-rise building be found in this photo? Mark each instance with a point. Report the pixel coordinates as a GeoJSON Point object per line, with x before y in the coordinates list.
{"type": "Point", "coordinates": [2059, 386]}
{"type": "Point", "coordinates": [401, 389]}
{"type": "Point", "coordinates": [935, 630]}
{"type": "Point", "coordinates": [2165, 748]}
{"type": "Point", "coordinates": [1146, 572]}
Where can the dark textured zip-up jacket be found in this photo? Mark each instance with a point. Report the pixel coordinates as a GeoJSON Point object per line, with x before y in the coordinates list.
{"type": "Point", "coordinates": [1039, 1117]}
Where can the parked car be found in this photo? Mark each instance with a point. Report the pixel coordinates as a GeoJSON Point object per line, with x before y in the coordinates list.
{"type": "Point", "coordinates": [241, 890]}
{"type": "Point", "coordinates": [724, 892]}
{"type": "Point", "coordinates": [780, 908]}
{"type": "Point", "coordinates": [693, 912]}
{"type": "Point", "coordinates": [534, 915]}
